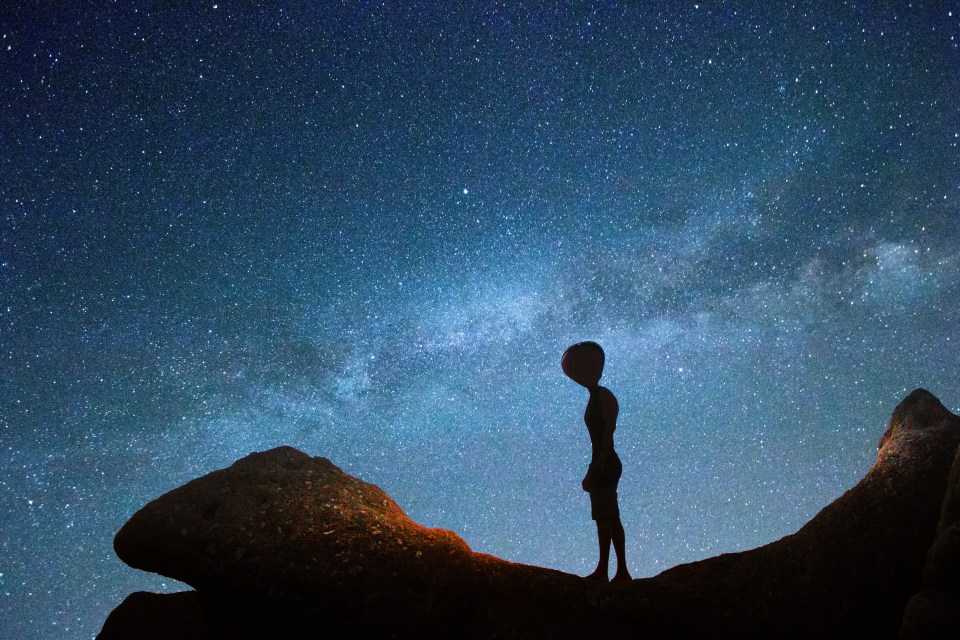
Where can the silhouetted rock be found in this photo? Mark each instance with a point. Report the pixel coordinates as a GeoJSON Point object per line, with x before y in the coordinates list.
{"type": "Point", "coordinates": [931, 615]}
{"type": "Point", "coordinates": [155, 616]}
{"type": "Point", "coordinates": [850, 571]}
{"type": "Point", "coordinates": [281, 545]}
{"type": "Point", "coordinates": [283, 537]}
{"type": "Point", "coordinates": [935, 611]}
{"type": "Point", "coordinates": [298, 533]}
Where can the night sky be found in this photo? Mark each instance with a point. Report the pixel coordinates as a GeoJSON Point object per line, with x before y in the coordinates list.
{"type": "Point", "coordinates": [369, 231]}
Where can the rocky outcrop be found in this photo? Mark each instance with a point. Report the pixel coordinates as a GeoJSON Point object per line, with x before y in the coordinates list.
{"type": "Point", "coordinates": [281, 540]}
{"type": "Point", "coordinates": [850, 571]}
{"type": "Point", "coordinates": [935, 611]}
{"type": "Point", "coordinates": [296, 533]}
{"type": "Point", "coordinates": [155, 616]}
{"type": "Point", "coordinates": [284, 545]}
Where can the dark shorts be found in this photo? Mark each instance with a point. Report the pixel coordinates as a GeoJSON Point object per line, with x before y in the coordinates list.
{"type": "Point", "coordinates": [603, 494]}
{"type": "Point", "coordinates": [603, 504]}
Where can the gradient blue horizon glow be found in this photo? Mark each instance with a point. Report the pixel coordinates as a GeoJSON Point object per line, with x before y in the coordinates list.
{"type": "Point", "coordinates": [369, 231]}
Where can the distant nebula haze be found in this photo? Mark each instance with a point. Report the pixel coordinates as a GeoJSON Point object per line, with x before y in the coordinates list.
{"type": "Point", "coordinates": [369, 231]}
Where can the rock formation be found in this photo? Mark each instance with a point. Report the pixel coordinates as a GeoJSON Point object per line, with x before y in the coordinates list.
{"type": "Point", "coordinates": [284, 545]}
{"type": "Point", "coordinates": [850, 571]}
{"type": "Point", "coordinates": [156, 616]}
{"type": "Point", "coordinates": [935, 611]}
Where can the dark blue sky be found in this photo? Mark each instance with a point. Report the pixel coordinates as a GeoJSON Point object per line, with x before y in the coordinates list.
{"type": "Point", "coordinates": [369, 231]}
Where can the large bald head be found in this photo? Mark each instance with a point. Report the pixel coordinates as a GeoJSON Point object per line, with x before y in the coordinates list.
{"type": "Point", "coordinates": [583, 363]}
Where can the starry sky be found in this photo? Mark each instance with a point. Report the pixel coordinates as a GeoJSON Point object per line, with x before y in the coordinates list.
{"type": "Point", "coordinates": [369, 230]}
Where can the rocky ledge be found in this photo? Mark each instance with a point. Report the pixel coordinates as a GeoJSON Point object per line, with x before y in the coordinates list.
{"type": "Point", "coordinates": [283, 545]}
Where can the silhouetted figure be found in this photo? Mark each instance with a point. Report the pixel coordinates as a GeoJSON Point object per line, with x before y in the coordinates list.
{"type": "Point", "coordinates": [583, 363]}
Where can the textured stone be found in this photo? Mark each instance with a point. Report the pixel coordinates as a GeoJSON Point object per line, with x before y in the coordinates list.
{"type": "Point", "coordinates": [280, 540]}
{"type": "Point", "coordinates": [935, 611]}
{"type": "Point", "coordinates": [292, 539]}
{"type": "Point", "coordinates": [931, 615]}
{"type": "Point", "coordinates": [155, 616]}
{"type": "Point", "coordinates": [297, 532]}
{"type": "Point", "coordinates": [850, 571]}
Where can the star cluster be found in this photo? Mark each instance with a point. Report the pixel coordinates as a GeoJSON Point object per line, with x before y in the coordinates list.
{"type": "Point", "coordinates": [369, 230]}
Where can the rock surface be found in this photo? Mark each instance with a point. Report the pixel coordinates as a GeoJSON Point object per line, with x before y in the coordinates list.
{"type": "Point", "coordinates": [155, 616]}
{"type": "Point", "coordinates": [850, 571]}
{"type": "Point", "coordinates": [935, 611]}
{"type": "Point", "coordinates": [280, 539]}
{"type": "Point", "coordinates": [284, 545]}
{"type": "Point", "coordinates": [297, 531]}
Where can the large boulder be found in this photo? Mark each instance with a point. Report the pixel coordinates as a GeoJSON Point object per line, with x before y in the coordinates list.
{"type": "Point", "coordinates": [155, 616]}
{"type": "Point", "coordinates": [285, 526]}
{"type": "Point", "coordinates": [281, 539]}
{"type": "Point", "coordinates": [850, 571]}
{"type": "Point", "coordinates": [935, 612]}
{"type": "Point", "coordinates": [281, 544]}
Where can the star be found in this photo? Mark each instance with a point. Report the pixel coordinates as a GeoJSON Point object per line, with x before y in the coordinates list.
{"type": "Point", "coordinates": [193, 270]}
